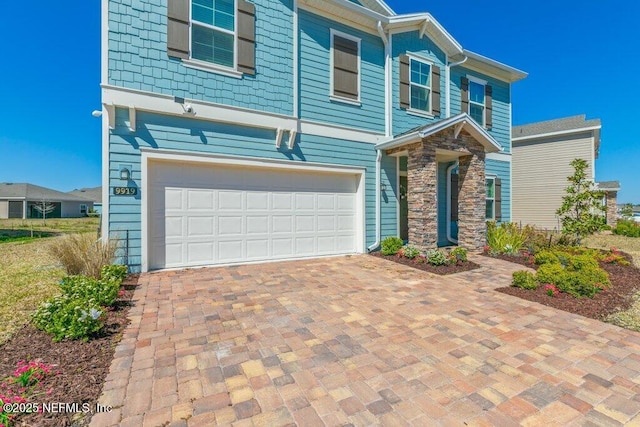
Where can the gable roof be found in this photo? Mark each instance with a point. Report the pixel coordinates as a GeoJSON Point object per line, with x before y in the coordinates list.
{"type": "Point", "coordinates": [557, 127]}
{"type": "Point", "coordinates": [31, 192]}
{"type": "Point", "coordinates": [94, 194]}
{"type": "Point", "coordinates": [376, 5]}
{"type": "Point", "coordinates": [462, 119]}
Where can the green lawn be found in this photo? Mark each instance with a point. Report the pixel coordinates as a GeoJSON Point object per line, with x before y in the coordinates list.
{"type": "Point", "coordinates": [28, 272]}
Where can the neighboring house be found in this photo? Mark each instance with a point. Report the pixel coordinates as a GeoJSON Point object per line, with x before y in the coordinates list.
{"type": "Point", "coordinates": [19, 200]}
{"type": "Point", "coordinates": [251, 131]}
{"type": "Point", "coordinates": [94, 194]}
{"type": "Point", "coordinates": [542, 153]}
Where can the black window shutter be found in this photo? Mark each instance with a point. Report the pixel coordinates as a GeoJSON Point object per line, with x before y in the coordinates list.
{"type": "Point", "coordinates": [498, 199]}
{"type": "Point", "coordinates": [488, 109]}
{"type": "Point", "coordinates": [404, 81]}
{"type": "Point", "coordinates": [246, 37]}
{"type": "Point", "coordinates": [178, 28]}
{"type": "Point", "coordinates": [454, 197]}
{"type": "Point", "coordinates": [464, 94]}
{"type": "Point", "coordinates": [435, 90]}
{"type": "Point", "coordinates": [345, 67]}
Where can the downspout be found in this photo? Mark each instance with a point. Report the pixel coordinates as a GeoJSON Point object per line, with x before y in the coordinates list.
{"type": "Point", "coordinates": [449, 171]}
{"type": "Point", "coordinates": [447, 76]}
{"type": "Point", "coordinates": [385, 40]}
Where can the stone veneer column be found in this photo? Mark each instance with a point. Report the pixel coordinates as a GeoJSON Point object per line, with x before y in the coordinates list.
{"type": "Point", "coordinates": [472, 227]}
{"type": "Point", "coordinates": [612, 208]}
{"type": "Point", "coordinates": [422, 179]}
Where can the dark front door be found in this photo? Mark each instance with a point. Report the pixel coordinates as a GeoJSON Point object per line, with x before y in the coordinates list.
{"type": "Point", "coordinates": [404, 209]}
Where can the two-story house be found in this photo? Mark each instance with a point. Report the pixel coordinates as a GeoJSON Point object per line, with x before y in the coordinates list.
{"type": "Point", "coordinates": [238, 131]}
{"type": "Point", "coordinates": [542, 153]}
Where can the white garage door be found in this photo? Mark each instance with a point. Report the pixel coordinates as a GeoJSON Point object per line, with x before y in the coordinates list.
{"type": "Point", "coordinates": [203, 215]}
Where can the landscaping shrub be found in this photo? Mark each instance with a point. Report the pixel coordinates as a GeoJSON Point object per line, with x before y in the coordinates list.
{"type": "Point", "coordinates": [391, 245]}
{"type": "Point", "coordinates": [577, 275]}
{"type": "Point", "coordinates": [67, 317]}
{"type": "Point", "coordinates": [113, 272]}
{"type": "Point", "coordinates": [410, 251]}
{"type": "Point", "coordinates": [458, 254]}
{"type": "Point", "coordinates": [101, 292]}
{"type": "Point", "coordinates": [82, 254]}
{"type": "Point", "coordinates": [436, 257]}
{"type": "Point", "coordinates": [551, 273]}
{"type": "Point", "coordinates": [506, 238]}
{"type": "Point", "coordinates": [524, 280]}
{"type": "Point", "coordinates": [546, 257]}
{"type": "Point", "coordinates": [627, 228]}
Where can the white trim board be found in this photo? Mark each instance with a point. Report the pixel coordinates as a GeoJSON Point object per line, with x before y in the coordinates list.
{"type": "Point", "coordinates": [165, 104]}
{"type": "Point", "coordinates": [176, 156]}
{"type": "Point", "coordinates": [500, 157]}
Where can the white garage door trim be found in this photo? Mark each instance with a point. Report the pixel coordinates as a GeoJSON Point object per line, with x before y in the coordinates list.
{"type": "Point", "coordinates": [149, 156]}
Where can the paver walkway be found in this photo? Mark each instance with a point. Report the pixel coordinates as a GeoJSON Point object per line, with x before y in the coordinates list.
{"type": "Point", "coordinates": [362, 341]}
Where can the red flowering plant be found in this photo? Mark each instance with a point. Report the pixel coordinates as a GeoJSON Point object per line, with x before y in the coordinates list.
{"type": "Point", "coordinates": [551, 290]}
{"type": "Point", "coordinates": [21, 386]}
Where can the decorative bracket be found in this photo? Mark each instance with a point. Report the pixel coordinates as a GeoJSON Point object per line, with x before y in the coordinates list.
{"type": "Point", "coordinates": [292, 138]}
{"type": "Point", "coordinates": [111, 115]}
{"type": "Point", "coordinates": [423, 29]}
{"type": "Point", "coordinates": [279, 137]}
{"type": "Point", "coordinates": [132, 118]}
{"type": "Point", "coordinates": [458, 129]}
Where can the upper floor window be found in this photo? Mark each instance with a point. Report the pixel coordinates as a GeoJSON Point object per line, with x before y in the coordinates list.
{"type": "Point", "coordinates": [345, 61]}
{"type": "Point", "coordinates": [420, 81]}
{"type": "Point", "coordinates": [213, 31]}
{"type": "Point", "coordinates": [476, 97]}
{"type": "Point", "coordinates": [476, 101]}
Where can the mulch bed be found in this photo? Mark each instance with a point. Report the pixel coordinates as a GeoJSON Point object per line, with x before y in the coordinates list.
{"type": "Point", "coordinates": [625, 283]}
{"type": "Point", "coordinates": [440, 269]}
{"type": "Point", "coordinates": [81, 367]}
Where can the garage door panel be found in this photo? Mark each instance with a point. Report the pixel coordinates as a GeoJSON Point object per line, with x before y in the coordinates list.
{"type": "Point", "coordinates": [210, 215]}
{"type": "Point", "coordinates": [230, 225]}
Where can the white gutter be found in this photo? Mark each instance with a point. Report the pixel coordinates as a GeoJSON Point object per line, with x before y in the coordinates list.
{"type": "Point", "coordinates": [449, 171]}
{"type": "Point", "coordinates": [378, 167]}
{"type": "Point", "coordinates": [447, 77]}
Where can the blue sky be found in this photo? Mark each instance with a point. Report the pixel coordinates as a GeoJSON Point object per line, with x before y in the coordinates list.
{"type": "Point", "coordinates": [579, 54]}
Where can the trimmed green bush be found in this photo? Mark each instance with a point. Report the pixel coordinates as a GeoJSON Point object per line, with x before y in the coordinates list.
{"type": "Point", "coordinates": [67, 317]}
{"type": "Point", "coordinates": [410, 251]}
{"type": "Point", "coordinates": [113, 272]}
{"type": "Point", "coordinates": [524, 280]}
{"type": "Point", "coordinates": [100, 292]}
{"type": "Point", "coordinates": [627, 228]}
{"type": "Point", "coordinates": [459, 254]}
{"type": "Point", "coordinates": [391, 245]}
{"type": "Point", "coordinates": [577, 275]}
{"type": "Point", "coordinates": [546, 257]}
{"type": "Point", "coordinates": [551, 273]}
{"type": "Point", "coordinates": [436, 257]}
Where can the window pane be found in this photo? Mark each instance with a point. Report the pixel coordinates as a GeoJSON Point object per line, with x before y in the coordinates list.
{"type": "Point", "coordinates": [490, 187]}
{"type": "Point", "coordinates": [476, 92]}
{"type": "Point", "coordinates": [420, 73]}
{"type": "Point", "coordinates": [489, 209]}
{"type": "Point", "coordinates": [219, 13]}
{"type": "Point", "coordinates": [477, 113]}
{"type": "Point", "coordinates": [420, 98]}
{"type": "Point", "coordinates": [212, 46]}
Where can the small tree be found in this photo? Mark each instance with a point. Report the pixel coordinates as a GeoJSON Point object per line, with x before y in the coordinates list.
{"type": "Point", "coordinates": [44, 207]}
{"type": "Point", "coordinates": [627, 211]}
{"type": "Point", "coordinates": [582, 210]}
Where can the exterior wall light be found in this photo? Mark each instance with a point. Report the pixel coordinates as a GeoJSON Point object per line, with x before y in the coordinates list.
{"type": "Point", "coordinates": [125, 174]}
{"type": "Point", "coordinates": [383, 187]}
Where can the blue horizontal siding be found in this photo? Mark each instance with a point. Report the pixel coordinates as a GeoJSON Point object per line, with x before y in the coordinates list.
{"type": "Point", "coordinates": [502, 170]}
{"type": "Point", "coordinates": [197, 136]}
{"type": "Point", "coordinates": [315, 76]}
{"type": "Point", "coordinates": [138, 58]}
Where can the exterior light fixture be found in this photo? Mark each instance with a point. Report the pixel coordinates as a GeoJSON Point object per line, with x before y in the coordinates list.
{"type": "Point", "coordinates": [125, 174]}
{"type": "Point", "coordinates": [383, 187]}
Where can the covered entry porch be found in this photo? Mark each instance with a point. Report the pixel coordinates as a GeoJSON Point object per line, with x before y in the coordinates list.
{"type": "Point", "coordinates": [434, 153]}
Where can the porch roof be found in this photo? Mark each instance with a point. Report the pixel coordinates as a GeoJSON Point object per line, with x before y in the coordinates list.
{"type": "Point", "coordinates": [458, 122]}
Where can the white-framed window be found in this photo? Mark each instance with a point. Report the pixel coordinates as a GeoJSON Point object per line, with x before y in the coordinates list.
{"type": "Point", "coordinates": [345, 65]}
{"type": "Point", "coordinates": [213, 32]}
{"type": "Point", "coordinates": [490, 185]}
{"type": "Point", "coordinates": [419, 85]}
{"type": "Point", "coordinates": [83, 210]}
{"type": "Point", "coordinates": [477, 100]}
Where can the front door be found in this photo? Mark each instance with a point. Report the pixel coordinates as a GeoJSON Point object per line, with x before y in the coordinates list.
{"type": "Point", "coordinates": [404, 209]}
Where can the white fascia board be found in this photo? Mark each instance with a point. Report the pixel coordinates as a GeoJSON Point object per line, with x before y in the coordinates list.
{"type": "Point", "coordinates": [345, 12]}
{"type": "Point", "coordinates": [492, 67]}
{"type": "Point", "coordinates": [557, 133]}
{"type": "Point", "coordinates": [500, 157]}
{"type": "Point", "coordinates": [165, 104]}
{"type": "Point", "coordinates": [415, 21]}
{"type": "Point", "coordinates": [355, 8]}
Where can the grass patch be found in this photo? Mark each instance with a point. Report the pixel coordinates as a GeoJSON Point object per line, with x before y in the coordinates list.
{"type": "Point", "coordinates": [630, 245]}
{"type": "Point", "coordinates": [629, 319]}
{"type": "Point", "coordinates": [54, 226]}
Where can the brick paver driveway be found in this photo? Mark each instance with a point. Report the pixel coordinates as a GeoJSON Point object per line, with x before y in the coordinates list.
{"type": "Point", "coordinates": [364, 341]}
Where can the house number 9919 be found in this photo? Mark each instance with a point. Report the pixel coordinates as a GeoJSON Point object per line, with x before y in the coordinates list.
{"type": "Point", "coordinates": [125, 191]}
